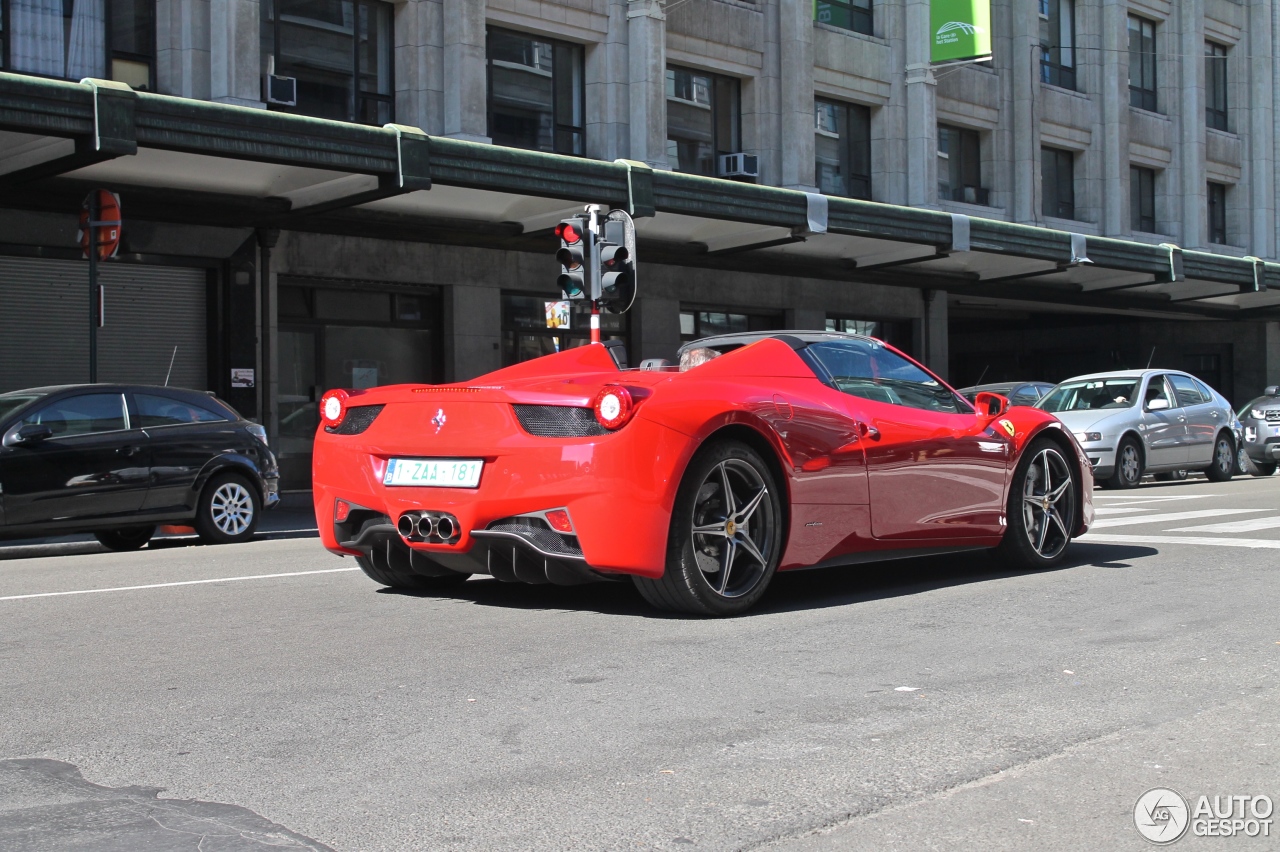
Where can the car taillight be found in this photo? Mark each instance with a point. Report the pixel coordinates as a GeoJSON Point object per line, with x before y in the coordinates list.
{"type": "Point", "coordinates": [341, 511]}
{"type": "Point", "coordinates": [333, 407]}
{"type": "Point", "coordinates": [613, 407]}
{"type": "Point", "coordinates": [559, 521]}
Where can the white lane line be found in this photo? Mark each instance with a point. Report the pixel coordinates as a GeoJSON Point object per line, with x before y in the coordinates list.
{"type": "Point", "coordinates": [1248, 525]}
{"type": "Point", "coordinates": [1134, 499]}
{"type": "Point", "coordinates": [1107, 538]}
{"type": "Point", "coordinates": [1108, 510]}
{"type": "Point", "coordinates": [1171, 516]}
{"type": "Point", "coordinates": [181, 583]}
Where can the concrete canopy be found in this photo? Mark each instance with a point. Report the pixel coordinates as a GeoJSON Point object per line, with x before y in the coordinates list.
{"type": "Point", "coordinates": [204, 163]}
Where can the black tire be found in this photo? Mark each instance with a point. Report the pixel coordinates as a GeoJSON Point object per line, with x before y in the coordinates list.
{"type": "Point", "coordinates": [228, 510]}
{"type": "Point", "coordinates": [1129, 464]}
{"type": "Point", "coordinates": [1262, 468]}
{"type": "Point", "coordinates": [124, 540]}
{"type": "Point", "coordinates": [746, 535]}
{"type": "Point", "coordinates": [1041, 510]}
{"type": "Point", "coordinates": [1224, 459]}
{"type": "Point", "coordinates": [1171, 476]}
{"type": "Point", "coordinates": [390, 563]}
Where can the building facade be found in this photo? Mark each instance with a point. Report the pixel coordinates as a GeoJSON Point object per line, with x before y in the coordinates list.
{"type": "Point", "coordinates": [1145, 121]}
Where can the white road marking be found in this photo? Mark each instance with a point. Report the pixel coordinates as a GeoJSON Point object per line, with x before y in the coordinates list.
{"type": "Point", "coordinates": [1106, 538]}
{"type": "Point", "coordinates": [1248, 525]}
{"type": "Point", "coordinates": [181, 583]}
{"type": "Point", "coordinates": [1135, 499]}
{"type": "Point", "coordinates": [1170, 516]}
{"type": "Point", "coordinates": [1108, 510]}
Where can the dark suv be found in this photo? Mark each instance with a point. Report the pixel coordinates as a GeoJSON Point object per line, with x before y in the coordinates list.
{"type": "Point", "coordinates": [116, 460]}
{"type": "Point", "coordinates": [1260, 449]}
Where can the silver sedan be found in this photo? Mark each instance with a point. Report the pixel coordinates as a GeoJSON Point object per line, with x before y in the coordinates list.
{"type": "Point", "coordinates": [1135, 422]}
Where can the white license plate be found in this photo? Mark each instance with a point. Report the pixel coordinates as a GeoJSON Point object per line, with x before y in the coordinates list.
{"type": "Point", "coordinates": [441, 473]}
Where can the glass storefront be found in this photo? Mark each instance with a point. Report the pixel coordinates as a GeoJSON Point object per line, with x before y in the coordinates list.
{"type": "Point", "coordinates": [697, 323]}
{"type": "Point", "coordinates": [533, 326]}
{"type": "Point", "coordinates": [896, 333]}
{"type": "Point", "coordinates": [347, 337]}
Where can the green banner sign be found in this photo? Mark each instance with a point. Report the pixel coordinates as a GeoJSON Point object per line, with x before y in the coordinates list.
{"type": "Point", "coordinates": [961, 29]}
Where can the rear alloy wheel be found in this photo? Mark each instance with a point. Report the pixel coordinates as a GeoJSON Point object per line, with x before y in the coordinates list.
{"type": "Point", "coordinates": [1128, 472]}
{"type": "Point", "coordinates": [228, 510]}
{"type": "Point", "coordinates": [1224, 460]}
{"type": "Point", "coordinates": [132, 538]}
{"type": "Point", "coordinates": [1041, 510]}
{"type": "Point", "coordinates": [726, 535]}
{"type": "Point", "coordinates": [391, 563]}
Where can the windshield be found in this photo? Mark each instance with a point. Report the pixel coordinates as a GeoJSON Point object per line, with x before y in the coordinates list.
{"type": "Point", "coordinates": [11, 402]}
{"type": "Point", "coordinates": [1091, 394]}
{"type": "Point", "coordinates": [865, 368]}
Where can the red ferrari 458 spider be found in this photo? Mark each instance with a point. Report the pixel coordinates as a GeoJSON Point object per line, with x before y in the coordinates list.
{"type": "Point", "coordinates": [759, 453]}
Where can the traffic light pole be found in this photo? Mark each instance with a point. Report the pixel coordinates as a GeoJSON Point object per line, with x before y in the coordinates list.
{"type": "Point", "coordinates": [594, 210]}
{"type": "Point", "coordinates": [94, 216]}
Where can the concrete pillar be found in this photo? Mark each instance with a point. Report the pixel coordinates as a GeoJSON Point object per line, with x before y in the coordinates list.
{"type": "Point", "coordinates": [922, 116]}
{"type": "Point", "coordinates": [647, 56]}
{"type": "Point", "coordinates": [1257, 114]}
{"type": "Point", "coordinates": [796, 145]}
{"type": "Point", "coordinates": [235, 61]}
{"type": "Point", "coordinates": [419, 63]}
{"type": "Point", "coordinates": [472, 331]}
{"type": "Point", "coordinates": [655, 329]}
{"type": "Point", "coordinates": [806, 318]}
{"type": "Point", "coordinates": [608, 101]}
{"type": "Point", "coordinates": [1189, 151]}
{"type": "Point", "coordinates": [182, 48]}
{"type": "Point", "coordinates": [466, 95]}
{"type": "Point", "coordinates": [1115, 118]}
{"type": "Point", "coordinates": [937, 347]}
{"type": "Point", "coordinates": [762, 99]}
{"type": "Point", "coordinates": [1024, 60]}
{"type": "Point", "coordinates": [889, 122]}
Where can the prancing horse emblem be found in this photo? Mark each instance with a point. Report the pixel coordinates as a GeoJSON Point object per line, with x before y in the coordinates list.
{"type": "Point", "coordinates": [439, 420]}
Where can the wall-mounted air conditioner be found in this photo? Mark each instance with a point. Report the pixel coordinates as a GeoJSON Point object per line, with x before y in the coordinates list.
{"type": "Point", "coordinates": [739, 165]}
{"type": "Point", "coordinates": [280, 90]}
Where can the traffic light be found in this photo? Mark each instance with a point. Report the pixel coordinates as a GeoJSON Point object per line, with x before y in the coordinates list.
{"type": "Point", "coordinates": [617, 268]}
{"type": "Point", "coordinates": [574, 256]}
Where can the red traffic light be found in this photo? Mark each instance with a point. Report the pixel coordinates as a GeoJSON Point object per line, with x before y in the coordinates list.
{"type": "Point", "coordinates": [569, 233]}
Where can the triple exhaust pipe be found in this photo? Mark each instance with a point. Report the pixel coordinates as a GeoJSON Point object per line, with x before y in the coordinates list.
{"type": "Point", "coordinates": [432, 527]}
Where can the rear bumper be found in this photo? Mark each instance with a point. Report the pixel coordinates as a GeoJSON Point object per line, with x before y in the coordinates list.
{"type": "Point", "coordinates": [618, 490]}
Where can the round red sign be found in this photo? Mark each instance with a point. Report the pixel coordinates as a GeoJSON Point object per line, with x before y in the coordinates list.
{"type": "Point", "coordinates": [109, 224]}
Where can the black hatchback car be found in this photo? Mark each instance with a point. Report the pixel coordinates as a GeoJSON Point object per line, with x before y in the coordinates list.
{"type": "Point", "coordinates": [116, 460]}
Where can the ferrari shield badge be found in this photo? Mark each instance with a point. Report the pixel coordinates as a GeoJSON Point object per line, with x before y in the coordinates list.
{"type": "Point", "coordinates": [1006, 425]}
{"type": "Point", "coordinates": [439, 420]}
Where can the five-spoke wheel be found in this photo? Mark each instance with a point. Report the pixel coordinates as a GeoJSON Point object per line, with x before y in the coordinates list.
{"type": "Point", "coordinates": [1128, 472]}
{"type": "Point", "coordinates": [1042, 507]}
{"type": "Point", "coordinates": [726, 532]}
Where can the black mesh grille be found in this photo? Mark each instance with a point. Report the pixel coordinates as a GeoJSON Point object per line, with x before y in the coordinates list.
{"type": "Point", "coordinates": [558, 421]}
{"type": "Point", "coordinates": [536, 532]}
{"type": "Point", "coordinates": [1272, 414]}
{"type": "Point", "coordinates": [357, 420]}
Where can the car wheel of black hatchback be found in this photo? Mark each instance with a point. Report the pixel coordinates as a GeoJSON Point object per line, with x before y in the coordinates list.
{"type": "Point", "coordinates": [228, 510]}
{"type": "Point", "coordinates": [132, 538]}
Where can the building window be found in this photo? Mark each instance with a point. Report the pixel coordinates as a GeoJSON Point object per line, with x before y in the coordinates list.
{"type": "Point", "coordinates": [960, 165]}
{"type": "Point", "coordinates": [1058, 183]}
{"type": "Point", "coordinates": [696, 324]}
{"type": "Point", "coordinates": [536, 93]}
{"type": "Point", "coordinates": [1142, 199]}
{"type": "Point", "coordinates": [1218, 213]}
{"type": "Point", "coordinates": [339, 51]}
{"type": "Point", "coordinates": [74, 39]}
{"type": "Point", "coordinates": [1058, 43]}
{"type": "Point", "coordinates": [533, 326]}
{"type": "Point", "coordinates": [848, 14]}
{"type": "Point", "coordinates": [703, 120]}
{"type": "Point", "coordinates": [1142, 63]}
{"type": "Point", "coordinates": [1215, 86]}
{"type": "Point", "coordinates": [896, 333]}
{"type": "Point", "coordinates": [842, 146]}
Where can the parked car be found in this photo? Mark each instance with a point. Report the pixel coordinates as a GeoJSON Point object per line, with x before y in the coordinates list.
{"type": "Point", "coordinates": [1260, 422]}
{"type": "Point", "coordinates": [116, 460]}
{"type": "Point", "coordinates": [762, 452]}
{"type": "Point", "coordinates": [1135, 422]}
{"type": "Point", "coordinates": [1018, 393]}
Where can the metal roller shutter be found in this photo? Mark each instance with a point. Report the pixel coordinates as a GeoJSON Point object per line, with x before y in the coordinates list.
{"type": "Point", "coordinates": [44, 324]}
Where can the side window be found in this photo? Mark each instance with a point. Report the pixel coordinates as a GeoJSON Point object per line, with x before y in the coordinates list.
{"type": "Point", "coordinates": [1158, 389]}
{"type": "Point", "coordinates": [83, 415]}
{"type": "Point", "coordinates": [1204, 391]}
{"type": "Point", "coordinates": [1188, 393]}
{"type": "Point", "coordinates": [1025, 395]}
{"type": "Point", "coordinates": [868, 370]}
{"type": "Point", "coordinates": [167, 411]}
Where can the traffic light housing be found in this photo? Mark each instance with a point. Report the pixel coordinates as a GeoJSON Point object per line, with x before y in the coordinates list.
{"type": "Point", "coordinates": [617, 269]}
{"type": "Point", "coordinates": [575, 258]}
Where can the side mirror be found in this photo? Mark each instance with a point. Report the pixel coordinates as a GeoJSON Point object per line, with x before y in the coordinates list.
{"type": "Point", "coordinates": [991, 404]}
{"type": "Point", "coordinates": [25, 436]}
{"type": "Point", "coordinates": [1272, 390]}
{"type": "Point", "coordinates": [1157, 405]}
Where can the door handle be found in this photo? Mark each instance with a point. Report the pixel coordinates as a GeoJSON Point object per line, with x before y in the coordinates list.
{"type": "Point", "coordinates": [128, 452]}
{"type": "Point", "coordinates": [868, 431]}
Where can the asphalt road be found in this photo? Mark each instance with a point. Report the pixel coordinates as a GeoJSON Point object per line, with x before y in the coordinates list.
{"type": "Point", "coordinates": [182, 697]}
